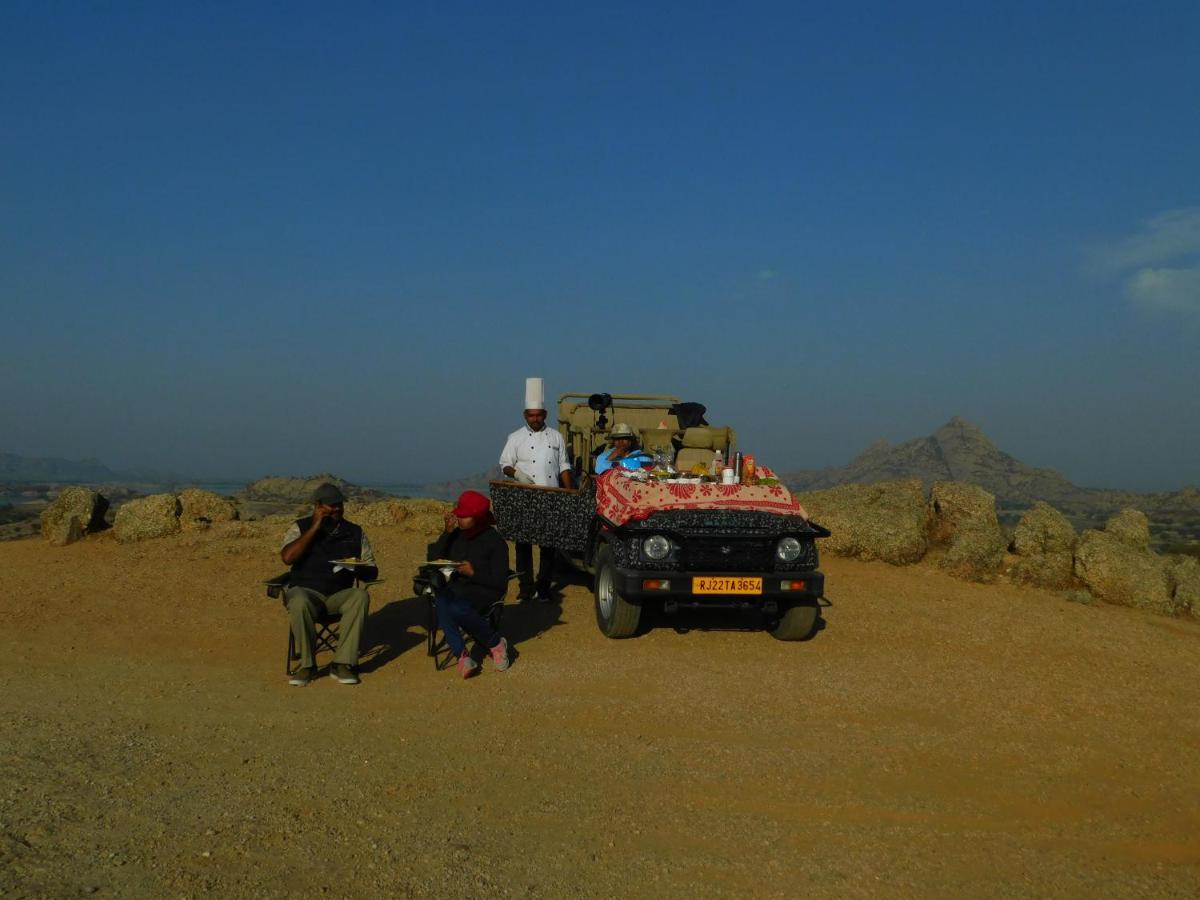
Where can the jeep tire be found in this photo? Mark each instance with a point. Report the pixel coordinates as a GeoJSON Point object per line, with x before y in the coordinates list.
{"type": "Point", "coordinates": [616, 616]}
{"type": "Point", "coordinates": [796, 624]}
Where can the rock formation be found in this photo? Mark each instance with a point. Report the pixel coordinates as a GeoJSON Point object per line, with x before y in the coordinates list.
{"type": "Point", "coordinates": [1131, 527]}
{"type": "Point", "coordinates": [886, 521]}
{"type": "Point", "coordinates": [75, 512]}
{"type": "Point", "coordinates": [1044, 542]}
{"type": "Point", "coordinates": [893, 522]}
{"type": "Point", "coordinates": [964, 517]}
{"type": "Point", "coordinates": [149, 517]}
{"type": "Point", "coordinates": [1184, 572]}
{"type": "Point", "coordinates": [422, 516]}
{"type": "Point", "coordinates": [199, 509]}
{"type": "Point", "coordinates": [1118, 567]}
{"type": "Point", "coordinates": [959, 451]}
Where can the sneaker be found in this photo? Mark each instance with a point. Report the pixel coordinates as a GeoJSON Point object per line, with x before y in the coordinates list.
{"type": "Point", "coordinates": [301, 677]}
{"type": "Point", "coordinates": [467, 666]}
{"type": "Point", "coordinates": [500, 655]}
{"type": "Point", "coordinates": [525, 597]}
{"type": "Point", "coordinates": [546, 596]}
{"type": "Point", "coordinates": [344, 674]}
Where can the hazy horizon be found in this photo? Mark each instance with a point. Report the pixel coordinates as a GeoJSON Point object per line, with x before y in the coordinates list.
{"type": "Point", "coordinates": [370, 480]}
{"type": "Point", "coordinates": [251, 240]}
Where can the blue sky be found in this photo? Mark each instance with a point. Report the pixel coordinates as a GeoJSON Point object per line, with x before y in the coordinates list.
{"type": "Point", "coordinates": [241, 239]}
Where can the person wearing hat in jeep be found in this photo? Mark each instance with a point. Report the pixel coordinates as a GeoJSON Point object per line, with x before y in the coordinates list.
{"type": "Point", "coordinates": [318, 585]}
{"type": "Point", "coordinates": [624, 451]}
{"type": "Point", "coordinates": [535, 454]}
{"type": "Point", "coordinates": [479, 580]}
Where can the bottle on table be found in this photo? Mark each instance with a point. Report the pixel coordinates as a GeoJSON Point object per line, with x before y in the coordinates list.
{"type": "Point", "coordinates": [717, 464]}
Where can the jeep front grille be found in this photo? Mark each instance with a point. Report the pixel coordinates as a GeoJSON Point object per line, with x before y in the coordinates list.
{"type": "Point", "coordinates": [725, 555]}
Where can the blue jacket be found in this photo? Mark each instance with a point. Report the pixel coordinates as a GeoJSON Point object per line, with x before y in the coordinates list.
{"type": "Point", "coordinates": [633, 460]}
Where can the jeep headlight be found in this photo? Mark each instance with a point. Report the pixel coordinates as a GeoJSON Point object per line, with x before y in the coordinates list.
{"type": "Point", "coordinates": [656, 547]}
{"type": "Point", "coordinates": [788, 549]}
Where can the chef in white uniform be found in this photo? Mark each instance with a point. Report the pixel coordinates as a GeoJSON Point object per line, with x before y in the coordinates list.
{"type": "Point", "coordinates": [535, 454]}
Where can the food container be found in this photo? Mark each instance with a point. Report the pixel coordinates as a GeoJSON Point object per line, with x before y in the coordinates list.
{"type": "Point", "coordinates": [748, 469]}
{"type": "Point", "coordinates": [727, 476]}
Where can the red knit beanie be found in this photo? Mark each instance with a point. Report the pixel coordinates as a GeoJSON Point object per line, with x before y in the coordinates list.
{"type": "Point", "coordinates": [472, 504]}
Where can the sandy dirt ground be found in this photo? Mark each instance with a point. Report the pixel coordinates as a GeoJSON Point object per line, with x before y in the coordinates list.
{"type": "Point", "coordinates": [935, 738]}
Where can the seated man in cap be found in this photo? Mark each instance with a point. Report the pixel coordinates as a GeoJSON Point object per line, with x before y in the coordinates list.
{"type": "Point", "coordinates": [624, 451]}
{"type": "Point", "coordinates": [317, 585]}
{"type": "Point", "coordinates": [480, 579]}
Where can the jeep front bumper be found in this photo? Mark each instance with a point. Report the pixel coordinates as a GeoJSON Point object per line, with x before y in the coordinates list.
{"type": "Point", "coordinates": [641, 585]}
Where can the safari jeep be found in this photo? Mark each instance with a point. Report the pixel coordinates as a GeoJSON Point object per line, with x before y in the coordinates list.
{"type": "Point", "coordinates": [676, 543]}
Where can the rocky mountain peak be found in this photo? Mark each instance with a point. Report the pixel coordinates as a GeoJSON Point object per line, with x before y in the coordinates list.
{"type": "Point", "coordinates": [957, 451]}
{"type": "Point", "coordinates": [969, 453]}
{"type": "Point", "coordinates": [959, 431]}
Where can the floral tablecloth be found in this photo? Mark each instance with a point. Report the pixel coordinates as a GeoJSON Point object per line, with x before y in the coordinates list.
{"type": "Point", "coordinates": [621, 499]}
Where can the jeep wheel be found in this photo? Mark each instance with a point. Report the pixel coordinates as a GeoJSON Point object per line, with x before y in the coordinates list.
{"type": "Point", "coordinates": [796, 624]}
{"type": "Point", "coordinates": [616, 616]}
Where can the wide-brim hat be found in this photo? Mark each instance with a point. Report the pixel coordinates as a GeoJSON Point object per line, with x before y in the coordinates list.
{"type": "Point", "coordinates": [621, 430]}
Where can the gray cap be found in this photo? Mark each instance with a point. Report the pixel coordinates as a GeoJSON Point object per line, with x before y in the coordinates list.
{"type": "Point", "coordinates": [328, 495]}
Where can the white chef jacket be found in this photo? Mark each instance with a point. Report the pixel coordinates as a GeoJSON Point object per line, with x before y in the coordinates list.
{"type": "Point", "coordinates": [541, 455]}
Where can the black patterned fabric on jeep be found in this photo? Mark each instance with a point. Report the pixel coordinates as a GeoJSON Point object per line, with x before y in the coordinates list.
{"type": "Point", "coordinates": [545, 516]}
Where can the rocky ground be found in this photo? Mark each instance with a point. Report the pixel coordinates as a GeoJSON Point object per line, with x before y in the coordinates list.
{"type": "Point", "coordinates": [936, 738]}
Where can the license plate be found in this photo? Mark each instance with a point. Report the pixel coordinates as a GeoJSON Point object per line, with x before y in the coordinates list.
{"type": "Point", "coordinates": [710, 584]}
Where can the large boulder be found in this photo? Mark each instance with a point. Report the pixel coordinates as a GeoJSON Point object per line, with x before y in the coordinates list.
{"type": "Point", "coordinates": [75, 512]}
{"type": "Point", "coordinates": [1044, 542]}
{"type": "Point", "coordinates": [956, 504]}
{"type": "Point", "coordinates": [1184, 572]}
{"type": "Point", "coordinates": [964, 517]}
{"type": "Point", "coordinates": [1121, 573]}
{"type": "Point", "coordinates": [1130, 526]}
{"type": "Point", "coordinates": [63, 530]}
{"type": "Point", "coordinates": [1043, 529]}
{"type": "Point", "coordinates": [199, 509]}
{"type": "Point", "coordinates": [886, 520]}
{"type": "Point", "coordinates": [148, 517]}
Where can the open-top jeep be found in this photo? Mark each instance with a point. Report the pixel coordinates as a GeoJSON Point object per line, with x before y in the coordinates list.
{"type": "Point", "coordinates": [679, 540]}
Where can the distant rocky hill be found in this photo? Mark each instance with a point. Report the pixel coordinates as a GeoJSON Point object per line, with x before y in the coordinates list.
{"type": "Point", "coordinates": [299, 490]}
{"type": "Point", "coordinates": [17, 468]}
{"type": "Point", "coordinates": [960, 451]}
{"type": "Point", "coordinates": [47, 468]}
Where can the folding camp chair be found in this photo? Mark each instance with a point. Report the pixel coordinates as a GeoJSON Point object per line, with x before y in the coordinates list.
{"type": "Point", "coordinates": [426, 583]}
{"type": "Point", "coordinates": [325, 625]}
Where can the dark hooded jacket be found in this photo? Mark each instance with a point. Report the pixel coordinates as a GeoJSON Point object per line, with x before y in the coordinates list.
{"type": "Point", "coordinates": [488, 555]}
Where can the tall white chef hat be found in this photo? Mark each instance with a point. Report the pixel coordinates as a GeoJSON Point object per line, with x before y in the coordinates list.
{"type": "Point", "coordinates": [535, 393]}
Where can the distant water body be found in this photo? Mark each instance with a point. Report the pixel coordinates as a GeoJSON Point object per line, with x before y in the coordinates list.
{"type": "Point", "coordinates": [401, 489]}
{"type": "Point", "coordinates": [396, 489]}
{"type": "Point", "coordinates": [220, 487]}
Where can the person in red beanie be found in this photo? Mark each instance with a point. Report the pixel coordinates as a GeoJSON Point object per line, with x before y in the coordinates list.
{"type": "Point", "coordinates": [479, 580]}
